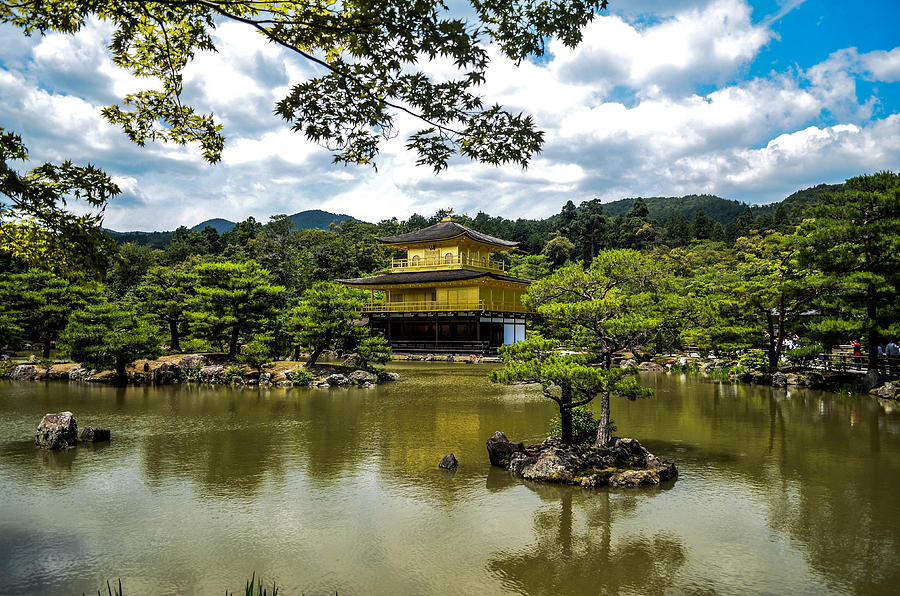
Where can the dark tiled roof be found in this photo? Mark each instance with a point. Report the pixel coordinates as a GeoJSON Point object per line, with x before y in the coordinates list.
{"type": "Point", "coordinates": [442, 231]}
{"type": "Point", "coordinates": [421, 277]}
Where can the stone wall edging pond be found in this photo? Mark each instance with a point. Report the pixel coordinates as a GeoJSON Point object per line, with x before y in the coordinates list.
{"type": "Point", "coordinates": [205, 369]}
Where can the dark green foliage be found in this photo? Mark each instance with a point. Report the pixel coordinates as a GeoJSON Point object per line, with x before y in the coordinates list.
{"type": "Point", "coordinates": [854, 241]}
{"type": "Point", "coordinates": [163, 297]}
{"type": "Point", "coordinates": [37, 304]}
{"type": "Point", "coordinates": [104, 335]}
{"type": "Point", "coordinates": [755, 360]}
{"type": "Point", "coordinates": [584, 426]}
{"type": "Point", "coordinates": [302, 377]}
{"type": "Point", "coordinates": [128, 267]}
{"type": "Point", "coordinates": [370, 347]}
{"type": "Point", "coordinates": [233, 299]}
{"type": "Point", "coordinates": [35, 226]}
{"type": "Point", "coordinates": [621, 301]}
{"type": "Point", "coordinates": [717, 208]}
{"type": "Point", "coordinates": [567, 379]}
{"type": "Point", "coordinates": [257, 352]}
{"type": "Point", "coordinates": [326, 319]}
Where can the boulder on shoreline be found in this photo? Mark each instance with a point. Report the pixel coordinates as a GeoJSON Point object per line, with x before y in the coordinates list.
{"type": "Point", "coordinates": [500, 449]}
{"type": "Point", "coordinates": [57, 431]}
{"type": "Point", "coordinates": [890, 390]}
{"type": "Point", "coordinates": [625, 462]}
{"type": "Point", "coordinates": [651, 367]}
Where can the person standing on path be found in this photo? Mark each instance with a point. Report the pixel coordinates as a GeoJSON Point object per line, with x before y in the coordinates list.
{"type": "Point", "coordinates": [892, 351]}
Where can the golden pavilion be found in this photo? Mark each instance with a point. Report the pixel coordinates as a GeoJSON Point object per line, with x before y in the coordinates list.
{"type": "Point", "coordinates": [448, 294]}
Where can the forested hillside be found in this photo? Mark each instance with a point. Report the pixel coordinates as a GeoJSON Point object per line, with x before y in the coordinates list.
{"type": "Point", "coordinates": [673, 221]}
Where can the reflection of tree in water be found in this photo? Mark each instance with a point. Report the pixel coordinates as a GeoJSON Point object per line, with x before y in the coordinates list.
{"type": "Point", "coordinates": [837, 490]}
{"type": "Point", "coordinates": [225, 443]}
{"type": "Point", "coordinates": [576, 557]}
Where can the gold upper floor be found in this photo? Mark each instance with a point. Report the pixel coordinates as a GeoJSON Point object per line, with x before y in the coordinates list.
{"type": "Point", "coordinates": [461, 254]}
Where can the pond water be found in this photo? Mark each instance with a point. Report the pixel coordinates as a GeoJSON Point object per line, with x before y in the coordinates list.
{"type": "Point", "coordinates": [328, 490]}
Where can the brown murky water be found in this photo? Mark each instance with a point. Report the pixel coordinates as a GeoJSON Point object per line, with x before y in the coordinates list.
{"type": "Point", "coordinates": [338, 490]}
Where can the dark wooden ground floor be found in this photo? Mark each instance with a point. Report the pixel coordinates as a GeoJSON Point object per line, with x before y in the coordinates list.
{"type": "Point", "coordinates": [449, 332]}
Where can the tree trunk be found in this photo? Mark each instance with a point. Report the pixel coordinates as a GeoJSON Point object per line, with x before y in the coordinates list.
{"type": "Point", "coordinates": [565, 423]}
{"type": "Point", "coordinates": [46, 351]}
{"type": "Point", "coordinates": [175, 344]}
{"type": "Point", "coordinates": [779, 345]}
{"type": "Point", "coordinates": [872, 338]}
{"type": "Point", "coordinates": [233, 342]}
{"type": "Point", "coordinates": [773, 357]}
{"type": "Point", "coordinates": [603, 429]}
{"type": "Point", "coordinates": [565, 415]}
{"type": "Point", "coordinates": [315, 356]}
{"type": "Point", "coordinates": [121, 375]}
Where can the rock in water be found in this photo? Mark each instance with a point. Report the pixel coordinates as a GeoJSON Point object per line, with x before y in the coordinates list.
{"type": "Point", "coordinates": [449, 462]}
{"type": "Point", "coordinates": [651, 367]}
{"type": "Point", "coordinates": [635, 478]}
{"type": "Point", "coordinates": [337, 379]}
{"type": "Point", "coordinates": [25, 372]}
{"type": "Point", "coordinates": [358, 377]}
{"type": "Point", "coordinates": [57, 431]}
{"type": "Point", "coordinates": [500, 449]}
{"type": "Point", "coordinates": [95, 435]}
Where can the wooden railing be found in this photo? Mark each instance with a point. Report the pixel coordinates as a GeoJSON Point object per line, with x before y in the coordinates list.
{"type": "Point", "coordinates": [847, 362]}
{"type": "Point", "coordinates": [445, 306]}
{"type": "Point", "coordinates": [423, 263]}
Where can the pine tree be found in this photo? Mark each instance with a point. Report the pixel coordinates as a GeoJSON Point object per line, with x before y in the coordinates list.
{"type": "Point", "coordinates": [164, 295]}
{"type": "Point", "coordinates": [567, 379]}
{"type": "Point", "coordinates": [39, 303]}
{"type": "Point", "coordinates": [324, 318]}
{"type": "Point", "coordinates": [855, 241]}
{"type": "Point", "coordinates": [103, 335]}
{"type": "Point", "coordinates": [233, 299]}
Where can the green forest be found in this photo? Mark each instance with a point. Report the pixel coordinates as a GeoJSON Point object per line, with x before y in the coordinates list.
{"type": "Point", "coordinates": [825, 268]}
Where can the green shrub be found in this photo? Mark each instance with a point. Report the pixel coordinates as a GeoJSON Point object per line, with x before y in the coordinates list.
{"type": "Point", "coordinates": [6, 366]}
{"type": "Point", "coordinates": [302, 377]}
{"type": "Point", "coordinates": [235, 370]}
{"type": "Point", "coordinates": [257, 353]}
{"type": "Point", "coordinates": [194, 346]}
{"type": "Point", "coordinates": [584, 426]}
{"type": "Point", "coordinates": [754, 360]}
{"type": "Point", "coordinates": [802, 356]}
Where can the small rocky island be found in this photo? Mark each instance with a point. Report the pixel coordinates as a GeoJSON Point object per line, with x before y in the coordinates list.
{"type": "Point", "coordinates": [625, 462]}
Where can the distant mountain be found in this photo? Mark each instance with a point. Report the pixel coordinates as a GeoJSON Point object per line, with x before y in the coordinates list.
{"type": "Point", "coordinates": [312, 219]}
{"type": "Point", "coordinates": [799, 199]}
{"type": "Point", "coordinates": [316, 219]}
{"type": "Point", "coordinates": [221, 225]}
{"type": "Point", "coordinates": [719, 209]}
{"type": "Point", "coordinates": [152, 239]}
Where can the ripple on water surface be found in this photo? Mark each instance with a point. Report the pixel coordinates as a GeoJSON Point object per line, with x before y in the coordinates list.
{"type": "Point", "coordinates": [326, 490]}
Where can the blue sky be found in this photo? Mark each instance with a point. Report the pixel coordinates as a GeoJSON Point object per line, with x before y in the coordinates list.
{"type": "Point", "coordinates": [750, 101]}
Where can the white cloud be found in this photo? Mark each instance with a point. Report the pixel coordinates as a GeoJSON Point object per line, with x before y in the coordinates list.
{"type": "Point", "coordinates": [658, 106]}
{"type": "Point", "coordinates": [707, 44]}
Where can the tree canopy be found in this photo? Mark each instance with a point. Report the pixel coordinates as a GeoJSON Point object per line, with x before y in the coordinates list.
{"type": "Point", "coordinates": [567, 379]}
{"type": "Point", "coordinates": [366, 54]}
